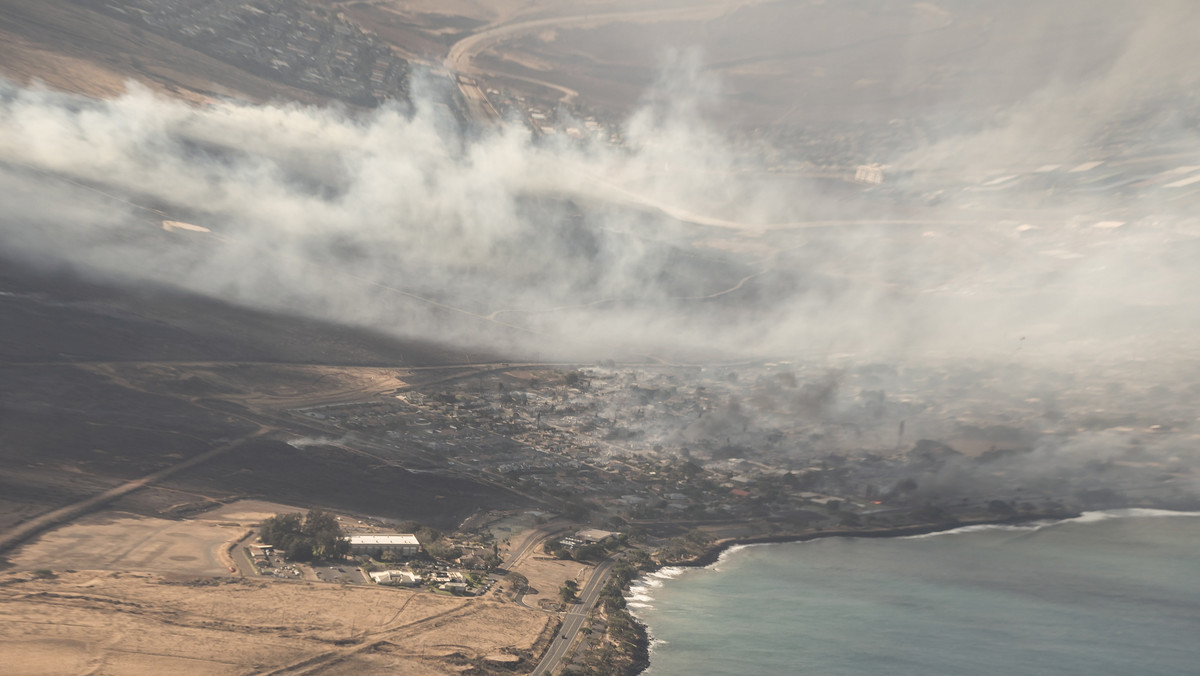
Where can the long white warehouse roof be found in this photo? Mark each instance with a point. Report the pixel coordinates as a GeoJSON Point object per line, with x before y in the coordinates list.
{"type": "Point", "coordinates": [384, 540]}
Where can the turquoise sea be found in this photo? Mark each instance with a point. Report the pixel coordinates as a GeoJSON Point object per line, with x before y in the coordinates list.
{"type": "Point", "coordinates": [1109, 593]}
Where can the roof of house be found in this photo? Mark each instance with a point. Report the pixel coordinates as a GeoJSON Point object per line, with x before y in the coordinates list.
{"type": "Point", "coordinates": [594, 535]}
{"type": "Point", "coordinates": [388, 539]}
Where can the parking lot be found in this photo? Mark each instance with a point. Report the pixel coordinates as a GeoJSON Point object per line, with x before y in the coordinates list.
{"type": "Point", "coordinates": [348, 573]}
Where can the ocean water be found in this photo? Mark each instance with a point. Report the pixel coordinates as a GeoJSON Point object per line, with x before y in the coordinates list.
{"type": "Point", "coordinates": [1109, 593]}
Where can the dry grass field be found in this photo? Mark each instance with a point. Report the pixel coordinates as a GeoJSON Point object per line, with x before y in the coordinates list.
{"type": "Point", "coordinates": [546, 575]}
{"type": "Point", "coordinates": [117, 541]}
{"type": "Point", "coordinates": [104, 622]}
{"type": "Point", "coordinates": [257, 386]}
{"type": "Point", "coordinates": [137, 595]}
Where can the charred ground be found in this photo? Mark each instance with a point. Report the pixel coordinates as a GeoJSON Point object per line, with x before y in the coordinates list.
{"type": "Point", "coordinates": [72, 424]}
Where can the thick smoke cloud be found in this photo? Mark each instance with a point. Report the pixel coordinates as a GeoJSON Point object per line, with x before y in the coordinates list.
{"type": "Point", "coordinates": [672, 245]}
{"type": "Point", "coordinates": [390, 219]}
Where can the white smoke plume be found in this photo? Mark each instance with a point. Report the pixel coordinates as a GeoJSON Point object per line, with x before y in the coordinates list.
{"type": "Point", "coordinates": [396, 220]}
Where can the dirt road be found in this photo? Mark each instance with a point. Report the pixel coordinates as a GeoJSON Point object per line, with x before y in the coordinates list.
{"type": "Point", "coordinates": [27, 529]}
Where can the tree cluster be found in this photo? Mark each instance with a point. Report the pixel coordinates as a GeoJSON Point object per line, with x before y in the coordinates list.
{"type": "Point", "coordinates": [517, 581]}
{"type": "Point", "coordinates": [687, 546]}
{"type": "Point", "coordinates": [433, 542]}
{"type": "Point", "coordinates": [585, 553]}
{"type": "Point", "coordinates": [318, 535]}
{"type": "Point", "coordinates": [569, 591]}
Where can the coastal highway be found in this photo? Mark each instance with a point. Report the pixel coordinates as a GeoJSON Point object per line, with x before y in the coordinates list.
{"type": "Point", "coordinates": [574, 619]}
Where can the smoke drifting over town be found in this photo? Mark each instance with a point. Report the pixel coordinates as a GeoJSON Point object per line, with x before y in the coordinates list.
{"type": "Point", "coordinates": [571, 291]}
{"type": "Point", "coordinates": [988, 237]}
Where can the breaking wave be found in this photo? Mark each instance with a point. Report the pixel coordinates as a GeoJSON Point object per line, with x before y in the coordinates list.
{"type": "Point", "coordinates": [1033, 526]}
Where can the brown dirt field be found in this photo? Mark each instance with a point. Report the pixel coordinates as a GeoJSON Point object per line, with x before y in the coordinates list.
{"type": "Point", "coordinates": [546, 575]}
{"type": "Point", "coordinates": [116, 541]}
{"type": "Point", "coordinates": [104, 622]}
{"type": "Point", "coordinates": [26, 61]}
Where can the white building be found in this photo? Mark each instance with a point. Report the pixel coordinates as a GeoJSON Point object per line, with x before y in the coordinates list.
{"type": "Point", "coordinates": [592, 535]}
{"type": "Point", "coordinates": [403, 577]}
{"type": "Point", "coordinates": [401, 544]}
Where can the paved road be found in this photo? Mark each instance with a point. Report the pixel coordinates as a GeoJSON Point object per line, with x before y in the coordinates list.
{"type": "Point", "coordinates": [458, 60]}
{"type": "Point", "coordinates": [532, 538]}
{"type": "Point", "coordinates": [574, 619]}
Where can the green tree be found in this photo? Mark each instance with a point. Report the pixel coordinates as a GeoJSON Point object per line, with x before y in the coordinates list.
{"type": "Point", "coordinates": [517, 581]}
{"type": "Point", "coordinates": [492, 561]}
{"type": "Point", "coordinates": [569, 591]}
{"type": "Point", "coordinates": [442, 550]}
{"type": "Point", "coordinates": [592, 552]}
{"type": "Point", "coordinates": [317, 535]}
{"type": "Point", "coordinates": [324, 534]}
{"type": "Point", "coordinates": [276, 529]}
{"type": "Point", "coordinates": [299, 549]}
{"type": "Point", "coordinates": [426, 535]}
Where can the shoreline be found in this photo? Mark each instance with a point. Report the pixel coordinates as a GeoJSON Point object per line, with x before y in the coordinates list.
{"type": "Point", "coordinates": [713, 553]}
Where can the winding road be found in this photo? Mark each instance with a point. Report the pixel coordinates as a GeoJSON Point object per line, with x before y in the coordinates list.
{"type": "Point", "coordinates": [458, 60]}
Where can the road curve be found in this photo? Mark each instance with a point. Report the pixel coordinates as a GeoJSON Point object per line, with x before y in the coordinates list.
{"type": "Point", "coordinates": [458, 60]}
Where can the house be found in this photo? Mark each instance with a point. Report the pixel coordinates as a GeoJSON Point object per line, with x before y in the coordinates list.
{"type": "Point", "coordinates": [592, 536]}
{"type": "Point", "coordinates": [403, 577]}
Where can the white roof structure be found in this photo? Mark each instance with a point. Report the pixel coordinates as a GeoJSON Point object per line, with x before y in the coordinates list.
{"type": "Point", "coordinates": [383, 540]}
{"type": "Point", "coordinates": [593, 535]}
{"type": "Point", "coordinates": [401, 576]}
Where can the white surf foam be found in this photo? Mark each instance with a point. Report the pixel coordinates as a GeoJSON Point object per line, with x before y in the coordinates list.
{"type": "Point", "coordinates": [978, 528]}
{"type": "Point", "coordinates": [1086, 517]}
{"type": "Point", "coordinates": [716, 565]}
{"type": "Point", "coordinates": [668, 573]}
{"type": "Point", "coordinates": [1130, 513]}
